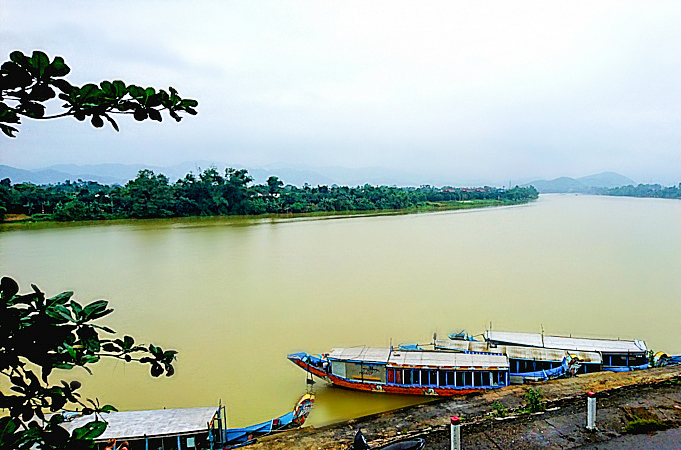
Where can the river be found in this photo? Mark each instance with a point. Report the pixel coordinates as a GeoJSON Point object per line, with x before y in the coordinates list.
{"type": "Point", "coordinates": [235, 295]}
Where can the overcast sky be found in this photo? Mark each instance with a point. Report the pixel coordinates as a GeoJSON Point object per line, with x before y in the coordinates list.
{"type": "Point", "coordinates": [462, 89]}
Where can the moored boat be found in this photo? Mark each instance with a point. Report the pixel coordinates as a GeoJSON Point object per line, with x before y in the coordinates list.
{"type": "Point", "coordinates": [617, 355]}
{"type": "Point", "coordinates": [239, 437]}
{"type": "Point", "coordinates": [530, 363]}
{"type": "Point", "coordinates": [389, 370]}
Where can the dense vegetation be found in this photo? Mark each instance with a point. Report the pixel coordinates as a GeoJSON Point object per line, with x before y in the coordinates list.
{"type": "Point", "coordinates": [643, 190]}
{"type": "Point", "coordinates": [209, 193]}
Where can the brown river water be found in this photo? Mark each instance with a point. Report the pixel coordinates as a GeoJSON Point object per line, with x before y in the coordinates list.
{"type": "Point", "coordinates": [234, 296]}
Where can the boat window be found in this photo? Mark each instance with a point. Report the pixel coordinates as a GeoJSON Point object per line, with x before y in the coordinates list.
{"type": "Point", "coordinates": [398, 376]}
{"type": "Point", "coordinates": [391, 375]}
{"type": "Point", "coordinates": [462, 378]}
{"type": "Point", "coordinates": [442, 378]}
{"type": "Point", "coordinates": [411, 376]}
{"type": "Point", "coordinates": [449, 378]}
{"type": "Point", "coordinates": [428, 377]}
{"type": "Point", "coordinates": [477, 379]}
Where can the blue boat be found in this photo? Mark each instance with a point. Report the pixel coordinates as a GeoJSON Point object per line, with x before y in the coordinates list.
{"type": "Point", "coordinates": [239, 437]}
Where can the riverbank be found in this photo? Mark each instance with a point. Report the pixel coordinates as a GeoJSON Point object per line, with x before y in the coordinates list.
{"type": "Point", "coordinates": [22, 221]}
{"type": "Point", "coordinates": [494, 419]}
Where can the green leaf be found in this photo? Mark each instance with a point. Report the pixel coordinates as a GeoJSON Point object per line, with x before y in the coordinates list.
{"type": "Point", "coordinates": [7, 427]}
{"type": "Point", "coordinates": [8, 130]}
{"type": "Point", "coordinates": [59, 311]}
{"type": "Point", "coordinates": [39, 62]}
{"type": "Point", "coordinates": [135, 92]}
{"type": "Point", "coordinates": [186, 103]}
{"type": "Point", "coordinates": [76, 308]}
{"type": "Point", "coordinates": [63, 86]}
{"type": "Point", "coordinates": [90, 431]}
{"type": "Point", "coordinates": [18, 57]}
{"type": "Point", "coordinates": [156, 370]}
{"type": "Point", "coordinates": [60, 299]}
{"type": "Point", "coordinates": [119, 88]}
{"type": "Point", "coordinates": [57, 68]}
{"type": "Point", "coordinates": [140, 114]}
{"type": "Point", "coordinates": [128, 342]}
{"type": "Point", "coordinates": [107, 408]}
{"type": "Point", "coordinates": [154, 115]}
{"type": "Point", "coordinates": [112, 122]}
{"type": "Point", "coordinates": [96, 310]}
{"type": "Point", "coordinates": [97, 121]}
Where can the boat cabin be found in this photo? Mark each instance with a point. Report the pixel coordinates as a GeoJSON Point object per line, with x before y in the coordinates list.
{"type": "Point", "coordinates": [419, 368]}
{"type": "Point", "coordinates": [183, 428]}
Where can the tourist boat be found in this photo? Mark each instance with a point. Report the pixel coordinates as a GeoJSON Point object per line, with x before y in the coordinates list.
{"type": "Point", "coordinates": [530, 363]}
{"type": "Point", "coordinates": [239, 437]}
{"type": "Point", "coordinates": [617, 355]}
{"type": "Point", "coordinates": [396, 371]}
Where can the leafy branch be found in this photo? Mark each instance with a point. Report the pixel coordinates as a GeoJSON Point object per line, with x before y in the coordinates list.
{"type": "Point", "coordinates": [26, 83]}
{"type": "Point", "coordinates": [57, 333]}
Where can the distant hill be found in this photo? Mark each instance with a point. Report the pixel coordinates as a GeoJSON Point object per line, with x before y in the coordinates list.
{"type": "Point", "coordinates": [296, 175]}
{"type": "Point", "coordinates": [51, 176]}
{"type": "Point", "coordinates": [583, 184]}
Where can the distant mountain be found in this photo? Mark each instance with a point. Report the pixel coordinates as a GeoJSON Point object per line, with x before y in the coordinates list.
{"type": "Point", "coordinates": [583, 184]}
{"type": "Point", "coordinates": [298, 176]}
{"type": "Point", "coordinates": [295, 175]}
{"type": "Point", "coordinates": [50, 176]}
{"type": "Point", "coordinates": [606, 180]}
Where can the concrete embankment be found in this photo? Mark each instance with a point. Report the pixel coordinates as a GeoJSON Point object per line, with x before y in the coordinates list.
{"type": "Point", "coordinates": [653, 395]}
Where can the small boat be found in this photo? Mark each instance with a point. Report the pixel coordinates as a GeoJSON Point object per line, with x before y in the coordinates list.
{"type": "Point", "coordinates": [360, 443]}
{"type": "Point", "coordinates": [239, 437]}
{"type": "Point", "coordinates": [397, 371]}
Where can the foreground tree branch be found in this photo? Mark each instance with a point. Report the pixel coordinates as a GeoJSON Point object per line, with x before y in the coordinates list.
{"type": "Point", "coordinates": [57, 333]}
{"type": "Point", "coordinates": [27, 83]}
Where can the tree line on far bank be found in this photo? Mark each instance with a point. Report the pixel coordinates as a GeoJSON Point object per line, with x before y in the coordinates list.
{"type": "Point", "coordinates": [210, 193]}
{"type": "Point", "coordinates": [642, 190]}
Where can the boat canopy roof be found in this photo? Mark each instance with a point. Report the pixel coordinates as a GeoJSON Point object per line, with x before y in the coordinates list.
{"type": "Point", "coordinates": [518, 352]}
{"type": "Point", "coordinates": [431, 359]}
{"type": "Point", "coordinates": [131, 425]}
{"type": "Point", "coordinates": [566, 343]}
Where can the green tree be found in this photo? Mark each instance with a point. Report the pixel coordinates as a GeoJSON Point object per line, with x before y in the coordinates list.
{"type": "Point", "coordinates": [42, 336]}
{"type": "Point", "coordinates": [274, 185]}
{"type": "Point", "coordinates": [27, 83]}
{"type": "Point", "coordinates": [150, 195]}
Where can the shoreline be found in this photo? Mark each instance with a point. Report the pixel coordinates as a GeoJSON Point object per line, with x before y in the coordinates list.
{"type": "Point", "coordinates": [431, 207]}
{"type": "Point", "coordinates": [652, 394]}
